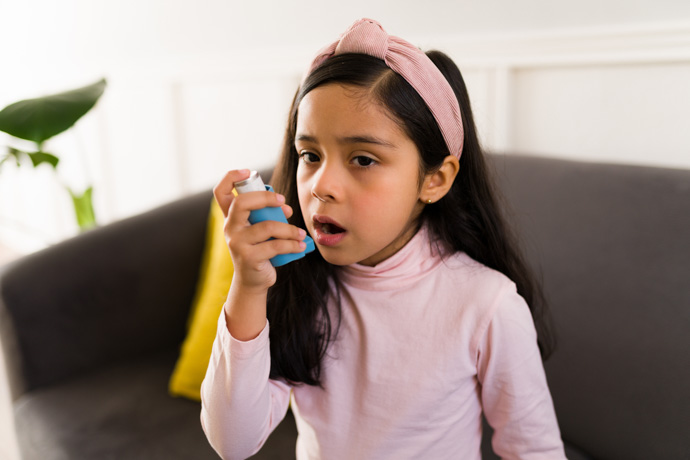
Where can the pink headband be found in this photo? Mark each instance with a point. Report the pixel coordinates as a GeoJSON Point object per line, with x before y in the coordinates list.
{"type": "Point", "coordinates": [366, 36]}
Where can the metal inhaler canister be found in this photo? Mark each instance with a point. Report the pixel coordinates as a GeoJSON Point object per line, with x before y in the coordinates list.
{"type": "Point", "coordinates": [255, 184]}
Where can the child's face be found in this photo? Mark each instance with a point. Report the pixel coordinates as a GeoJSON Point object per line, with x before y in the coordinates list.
{"type": "Point", "coordinates": [358, 176]}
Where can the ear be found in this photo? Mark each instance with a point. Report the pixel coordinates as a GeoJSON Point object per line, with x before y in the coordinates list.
{"type": "Point", "coordinates": [437, 184]}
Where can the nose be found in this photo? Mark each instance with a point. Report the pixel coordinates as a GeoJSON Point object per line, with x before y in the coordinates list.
{"type": "Point", "coordinates": [326, 184]}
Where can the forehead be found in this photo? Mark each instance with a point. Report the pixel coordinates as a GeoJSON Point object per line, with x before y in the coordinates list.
{"type": "Point", "coordinates": [337, 91]}
{"type": "Point", "coordinates": [342, 107]}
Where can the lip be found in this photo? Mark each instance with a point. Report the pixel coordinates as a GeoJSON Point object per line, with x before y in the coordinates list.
{"type": "Point", "coordinates": [326, 239]}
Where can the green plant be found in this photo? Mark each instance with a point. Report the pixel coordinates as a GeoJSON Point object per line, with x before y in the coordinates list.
{"type": "Point", "coordinates": [37, 120]}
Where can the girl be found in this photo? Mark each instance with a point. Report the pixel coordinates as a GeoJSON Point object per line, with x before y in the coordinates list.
{"type": "Point", "coordinates": [392, 339]}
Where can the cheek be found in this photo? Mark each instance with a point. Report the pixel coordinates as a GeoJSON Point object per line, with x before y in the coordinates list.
{"type": "Point", "coordinates": [303, 189]}
{"type": "Point", "coordinates": [387, 205]}
{"type": "Point", "coordinates": [398, 190]}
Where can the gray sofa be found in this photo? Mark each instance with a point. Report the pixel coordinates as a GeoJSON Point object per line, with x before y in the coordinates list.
{"type": "Point", "coordinates": [91, 327]}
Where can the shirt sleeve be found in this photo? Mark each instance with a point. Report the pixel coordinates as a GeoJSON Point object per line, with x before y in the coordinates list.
{"type": "Point", "coordinates": [515, 395]}
{"type": "Point", "coordinates": [240, 405]}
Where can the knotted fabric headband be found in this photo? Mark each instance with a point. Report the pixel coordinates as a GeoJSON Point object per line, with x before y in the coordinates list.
{"type": "Point", "coordinates": [366, 36]}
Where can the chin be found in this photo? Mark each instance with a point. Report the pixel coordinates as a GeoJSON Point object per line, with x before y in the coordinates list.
{"type": "Point", "coordinates": [335, 257]}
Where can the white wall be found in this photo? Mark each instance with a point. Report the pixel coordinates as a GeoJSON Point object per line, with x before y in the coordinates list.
{"type": "Point", "coordinates": [198, 87]}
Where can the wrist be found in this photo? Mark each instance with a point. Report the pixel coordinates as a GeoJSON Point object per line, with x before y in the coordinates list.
{"type": "Point", "coordinates": [245, 312]}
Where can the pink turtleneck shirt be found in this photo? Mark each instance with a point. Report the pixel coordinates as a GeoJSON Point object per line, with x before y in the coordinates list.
{"type": "Point", "coordinates": [425, 345]}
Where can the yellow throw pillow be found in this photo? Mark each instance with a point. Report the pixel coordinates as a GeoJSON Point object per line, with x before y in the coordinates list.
{"type": "Point", "coordinates": [214, 282]}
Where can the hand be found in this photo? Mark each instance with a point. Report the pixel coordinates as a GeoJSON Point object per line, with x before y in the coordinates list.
{"type": "Point", "coordinates": [252, 246]}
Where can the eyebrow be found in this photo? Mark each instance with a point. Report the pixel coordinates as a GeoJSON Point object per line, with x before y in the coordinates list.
{"type": "Point", "coordinates": [361, 139]}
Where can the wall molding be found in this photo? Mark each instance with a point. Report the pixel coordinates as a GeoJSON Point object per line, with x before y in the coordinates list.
{"type": "Point", "coordinates": [602, 45]}
{"type": "Point", "coordinates": [615, 45]}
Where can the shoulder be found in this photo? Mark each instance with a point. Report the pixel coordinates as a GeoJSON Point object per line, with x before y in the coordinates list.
{"type": "Point", "coordinates": [483, 294]}
{"type": "Point", "coordinates": [475, 280]}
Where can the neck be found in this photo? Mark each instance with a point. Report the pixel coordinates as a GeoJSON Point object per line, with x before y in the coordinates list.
{"type": "Point", "coordinates": [398, 243]}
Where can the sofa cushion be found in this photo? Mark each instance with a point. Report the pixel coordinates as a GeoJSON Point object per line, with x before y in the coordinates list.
{"type": "Point", "coordinates": [611, 242]}
{"type": "Point", "coordinates": [123, 412]}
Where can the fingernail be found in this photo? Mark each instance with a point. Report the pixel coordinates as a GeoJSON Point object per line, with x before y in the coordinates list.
{"type": "Point", "coordinates": [302, 233]}
{"type": "Point", "coordinates": [303, 245]}
{"type": "Point", "coordinates": [280, 198]}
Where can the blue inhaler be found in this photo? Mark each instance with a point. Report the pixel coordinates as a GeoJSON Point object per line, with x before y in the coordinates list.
{"type": "Point", "coordinates": [255, 184]}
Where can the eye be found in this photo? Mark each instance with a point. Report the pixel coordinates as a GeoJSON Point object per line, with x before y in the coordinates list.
{"type": "Point", "coordinates": [308, 157]}
{"type": "Point", "coordinates": [363, 161]}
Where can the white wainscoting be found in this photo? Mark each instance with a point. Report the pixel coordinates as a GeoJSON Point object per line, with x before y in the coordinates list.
{"type": "Point", "coordinates": [617, 94]}
{"type": "Point", "coordinates": [168, 128]}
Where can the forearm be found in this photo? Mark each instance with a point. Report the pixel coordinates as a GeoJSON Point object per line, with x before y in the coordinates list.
{"type": "Point", "coordinates": [245, 311]}
{"type": "Point", "coordinates": [240, 405]}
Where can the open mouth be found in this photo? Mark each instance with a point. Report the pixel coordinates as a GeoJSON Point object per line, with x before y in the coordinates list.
{"type": "Point", "coordinates": [329, 229]}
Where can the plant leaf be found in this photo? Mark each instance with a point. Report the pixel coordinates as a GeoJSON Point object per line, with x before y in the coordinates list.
{"type": "Point", "coordinates": [36, 158]}
{"type": "Point", "coordinates": [42, 118]}
{"type": "Point", "coordinates": [16, 154]}
{"type": "Point", "coordinates": [83, 208]}
{"type": "Point", "coordinates": [42, 157]}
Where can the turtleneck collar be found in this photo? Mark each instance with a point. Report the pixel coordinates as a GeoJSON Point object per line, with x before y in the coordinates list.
{"type": "Point", "coordinates": [414, 261]}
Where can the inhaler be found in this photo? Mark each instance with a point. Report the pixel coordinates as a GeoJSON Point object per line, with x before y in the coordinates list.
{"type": "Point", "coordinates": [255, 184]}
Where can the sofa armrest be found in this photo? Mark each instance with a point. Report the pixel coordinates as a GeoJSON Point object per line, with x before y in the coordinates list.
{"type": "Point", "coordinates": [109, 294]}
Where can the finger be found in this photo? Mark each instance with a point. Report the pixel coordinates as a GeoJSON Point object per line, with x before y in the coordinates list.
{"type": "Point", "coordinates": [269, 229]}
{"type": "Point", "coordinates": [223, 190]}
{"type": "Point", "coordinates": [287, 210]}
{"type": "Point", "coordinates": [255, 245]}
{"type": "Point", "coordinates": [271, 248]}
{"type": "Point", "coordinates": [277, 247]}
{"type": "Point", "coordinates": [242, 205]}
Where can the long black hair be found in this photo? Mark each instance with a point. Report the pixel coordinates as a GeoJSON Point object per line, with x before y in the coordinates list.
{"type": "Point", "coordinates": [467, 219]}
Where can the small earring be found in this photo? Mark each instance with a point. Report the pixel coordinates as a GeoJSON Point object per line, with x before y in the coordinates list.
{"type": "Point", "coordinates": [428, 201]}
